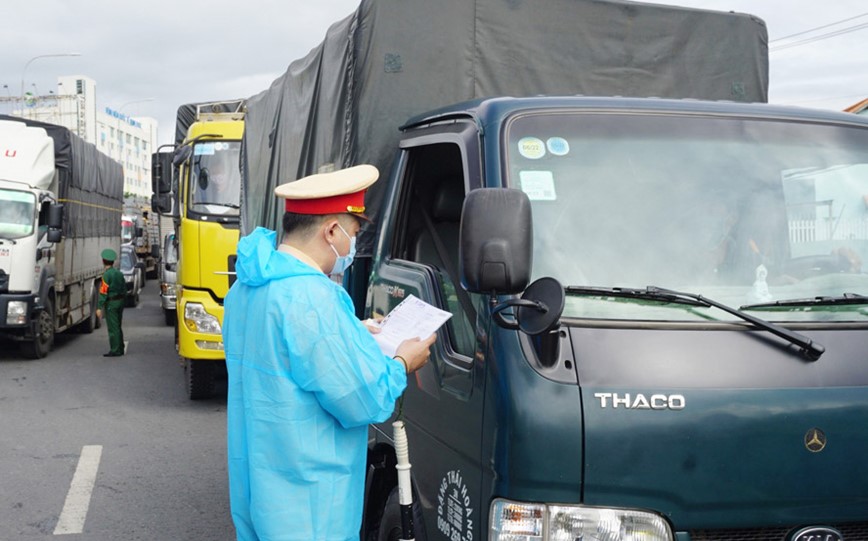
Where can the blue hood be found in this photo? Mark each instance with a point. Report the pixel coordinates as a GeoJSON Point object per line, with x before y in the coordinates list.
{"type": "Point", "coordinates": [259, 262]}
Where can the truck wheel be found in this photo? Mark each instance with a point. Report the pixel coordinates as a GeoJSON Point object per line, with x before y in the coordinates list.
{"type": "Point", "coordinates": [390, 523]}
{"type": "Point", "coordinates": [41, 344]}
{"type": "Point", "coordinates": [170, 317]}
{"type": "Point", "coordinates": [133, 300]}
{"type": "Point", "coordinates": [200, 379]}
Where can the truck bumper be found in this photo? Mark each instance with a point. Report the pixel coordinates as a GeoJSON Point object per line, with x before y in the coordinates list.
{"type": "Point", "coordinates": [193, 344]}
{"type": "Point", "coordinates": [17, 327]}
{"type": "Point", "coordinates": [167, 302]}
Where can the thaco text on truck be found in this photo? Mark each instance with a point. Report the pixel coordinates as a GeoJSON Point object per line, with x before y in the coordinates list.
{"type": "Point", "coordinates": [60, 204]}
{"type": "Point", "coordinates": [659, 306]}
{"type": "Point", "coordinates": [206, 190]}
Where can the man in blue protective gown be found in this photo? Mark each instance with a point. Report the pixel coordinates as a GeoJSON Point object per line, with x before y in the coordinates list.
{"type": "Point", "coordinates": [305, 375]}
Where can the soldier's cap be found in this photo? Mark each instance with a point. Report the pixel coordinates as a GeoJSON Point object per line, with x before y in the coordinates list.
{"type": "Point", "coordinates": [338, 192]}
{"type": "Point", "coordinates": [109, 255]}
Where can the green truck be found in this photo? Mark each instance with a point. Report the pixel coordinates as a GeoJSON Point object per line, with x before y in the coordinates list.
{"type": "Point", "coordinates": [659, 303]}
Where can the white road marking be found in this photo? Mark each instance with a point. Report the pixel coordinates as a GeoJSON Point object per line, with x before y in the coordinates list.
{"type": "Point", "coordinates": [78, 498]}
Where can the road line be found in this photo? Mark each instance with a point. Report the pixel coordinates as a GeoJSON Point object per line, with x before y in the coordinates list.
{"type": "Point", "coordinates": [78, 498]}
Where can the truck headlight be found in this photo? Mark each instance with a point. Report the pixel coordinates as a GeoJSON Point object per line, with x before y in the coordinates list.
{"type": "Point", "coordinates": [199, 320]}
{"type": "Point", "coordinates": [514, 521]}
{"type": "Point", "coordinates": [16, 313]}
{"type": "Point", "coordinates": [168, 289]}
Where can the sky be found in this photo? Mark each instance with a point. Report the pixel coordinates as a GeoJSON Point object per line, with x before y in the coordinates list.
{"type": "Point", "coordinates": [149, 57]}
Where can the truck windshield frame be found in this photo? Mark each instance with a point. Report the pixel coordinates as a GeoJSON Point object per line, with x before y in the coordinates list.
{"type": "Point", "coordinates": [17, 214]}
{"type": "Point", "coordinates": [745, 210]}
{"type": "Point", "coordinates": [215, 180]}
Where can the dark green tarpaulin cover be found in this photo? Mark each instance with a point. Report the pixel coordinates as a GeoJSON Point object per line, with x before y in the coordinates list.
{"type": "Point", "coordinates": [391, 60]}
{"type": "Point", "coordinates": [90, 184]}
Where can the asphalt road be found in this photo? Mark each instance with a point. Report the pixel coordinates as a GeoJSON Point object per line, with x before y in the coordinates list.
{"type": "Point", "coordinates": [110, 447]}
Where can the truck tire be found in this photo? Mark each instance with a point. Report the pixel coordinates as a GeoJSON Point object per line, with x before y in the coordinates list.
{"type": "Point", "coordinates": [170, 317]}
{"type": "Point", "coordinates": [132, 299]}
{"type": "Point", "coordinates": [200, 379]}
{"type": "Point", "coordinates": [42, 343]}
{"type": "Point", "coordinates": [390, 523]}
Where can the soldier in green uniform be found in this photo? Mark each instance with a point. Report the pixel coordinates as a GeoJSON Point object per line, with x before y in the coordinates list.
{"type": "Point", "coordinates": [112, 297]}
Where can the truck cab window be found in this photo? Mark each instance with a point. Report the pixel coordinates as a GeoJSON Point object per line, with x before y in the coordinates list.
{"type": "Point", "coordinates": [432, 213]}
{"type": "Point", "coordinates": [215, 186]}
{"type": "Point", "coordinates": [16, 214]}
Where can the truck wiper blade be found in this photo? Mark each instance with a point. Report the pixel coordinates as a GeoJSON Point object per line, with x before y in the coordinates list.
{"type": "Point", "coordinates": [633, 293]}
{"type": "Point", "coordinates": [846, 298]}
{"type": "Point", "coordinates": [808, 347]}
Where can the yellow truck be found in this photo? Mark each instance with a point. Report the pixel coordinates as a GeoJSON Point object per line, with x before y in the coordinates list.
{"type": "Point", "coordinates": [198, 184]}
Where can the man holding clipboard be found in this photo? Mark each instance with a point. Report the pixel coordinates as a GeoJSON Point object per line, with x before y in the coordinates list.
{"type": "Point", "coordinates": [306, 377]}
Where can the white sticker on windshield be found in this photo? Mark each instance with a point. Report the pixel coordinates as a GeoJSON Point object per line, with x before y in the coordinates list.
{"type": "Point", "coordinates": [203, 149]}
{"type": "Point", "coordinates": [538, 185]}
{"type": "Point", "coordinates": [531, 148]}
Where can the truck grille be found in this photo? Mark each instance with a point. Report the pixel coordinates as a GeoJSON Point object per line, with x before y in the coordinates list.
{"type": "Point", "coordinates": [857, 531]}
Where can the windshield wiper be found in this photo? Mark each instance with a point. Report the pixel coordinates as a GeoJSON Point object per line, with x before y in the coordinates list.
{"type": "Point", "coordinates": [230, 205]}
{"type": "Point", "coordinates": [846, 298]}
{"type": "Point", "coordinates": [649, 293]}
{"type": "Point", "coordinates": [808, 347]}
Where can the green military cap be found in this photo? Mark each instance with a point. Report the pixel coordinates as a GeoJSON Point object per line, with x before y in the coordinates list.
{"type": "Point", "coordinates": [109, 255]}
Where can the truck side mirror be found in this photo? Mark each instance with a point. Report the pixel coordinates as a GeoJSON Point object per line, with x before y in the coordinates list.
{"type": "Point", "coordinates": [161, 203]}
{"type": "Point", "coordinates": [161, 172]}
{"type": "Point", "coordinates": [55, 216]}
{"type": "Point", "coordinates": [54, 221]}
{"type": "Point", "coordinates": [181, 155]}
{"type": "Point", "coordinates": [496, 246]}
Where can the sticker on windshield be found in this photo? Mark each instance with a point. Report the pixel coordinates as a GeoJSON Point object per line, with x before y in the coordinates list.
{"type": "Point", "coordinates": [538, 185]}
{"type": "Point", "coordinates": [558, 146]}
{"type": "Point", "coordinates": [204, 149]}
{"type": "Point", "coordinates": [531, 148]}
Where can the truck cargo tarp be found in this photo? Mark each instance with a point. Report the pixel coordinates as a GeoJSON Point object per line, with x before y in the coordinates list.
{"type": "Point", "coordinates": [187, 114]}
{"type": "Point", "coordinates": [390, 60]}
{"type": "Point", "coordinates": [89, 184]}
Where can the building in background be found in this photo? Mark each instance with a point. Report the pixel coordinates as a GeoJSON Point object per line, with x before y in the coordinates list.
{"type": "Point", "coordinates": [127, 139]}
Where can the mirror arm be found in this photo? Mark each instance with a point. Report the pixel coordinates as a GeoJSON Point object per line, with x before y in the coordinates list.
{"type": "Point", "coordinates": [513, 325]}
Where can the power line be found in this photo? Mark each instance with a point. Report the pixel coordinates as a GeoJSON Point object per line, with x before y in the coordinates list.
{"type": "Point", "coordinates": [818, 28]}
{"type": "Point", "coordinates": [827, 35]}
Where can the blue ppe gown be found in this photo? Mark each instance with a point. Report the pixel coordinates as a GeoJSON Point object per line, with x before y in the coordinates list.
{"type": "Point", "coordinates": [305, 379]}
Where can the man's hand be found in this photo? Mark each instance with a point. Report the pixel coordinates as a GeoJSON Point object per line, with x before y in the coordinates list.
{"type": "Point", "coordinates": [99, 313]}
{"type": "Point", "coordinates": [415, 352]}
{"type": "Point", "coordinates": [373, 325]}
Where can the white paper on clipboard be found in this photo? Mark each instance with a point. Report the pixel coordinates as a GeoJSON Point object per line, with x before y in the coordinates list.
{"type": "Point", "coordinates": [412, 318]}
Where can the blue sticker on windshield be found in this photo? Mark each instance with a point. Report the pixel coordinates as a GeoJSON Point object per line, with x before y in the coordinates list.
{"type": "Point", "coordinates": [558, 146]}
{"type": "Point", "coordinates": [203, 149]}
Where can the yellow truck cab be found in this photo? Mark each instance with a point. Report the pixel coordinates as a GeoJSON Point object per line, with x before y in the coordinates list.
{"type": "Point", "coordinates": [206, 193]}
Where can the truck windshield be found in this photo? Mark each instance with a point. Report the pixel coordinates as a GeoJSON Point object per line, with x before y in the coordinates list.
{"type": "Point", "coordinates": [128, 231]}
{"type": "Point", "coordinates": [17, 214]}
{"type": "Point", "coordinates": [745, 211]}
{"type": "Point", "coordinates": [215, 178]}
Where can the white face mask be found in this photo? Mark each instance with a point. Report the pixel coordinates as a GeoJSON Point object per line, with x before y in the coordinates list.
{"type": "Point", "coordinates": [343, 262]}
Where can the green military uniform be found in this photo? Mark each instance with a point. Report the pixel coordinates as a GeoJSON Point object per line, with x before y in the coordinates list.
{"type": "Point", "coordinates": [112, 297]}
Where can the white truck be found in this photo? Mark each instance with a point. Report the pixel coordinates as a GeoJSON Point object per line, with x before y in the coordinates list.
{"type": "Point", "coordinates": [60, 202]}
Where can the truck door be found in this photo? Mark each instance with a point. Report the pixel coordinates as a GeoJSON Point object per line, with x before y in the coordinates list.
{"type": "Point", "coordinates": [442, 407]}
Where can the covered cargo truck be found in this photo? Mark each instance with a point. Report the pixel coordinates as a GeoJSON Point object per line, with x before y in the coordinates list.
{"type": "Point", "coordinates": [61, 203]}
{"type": "Point", "coordinates": [659, 304]}
{"type": "Point", "coordinates": [199, 183]}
